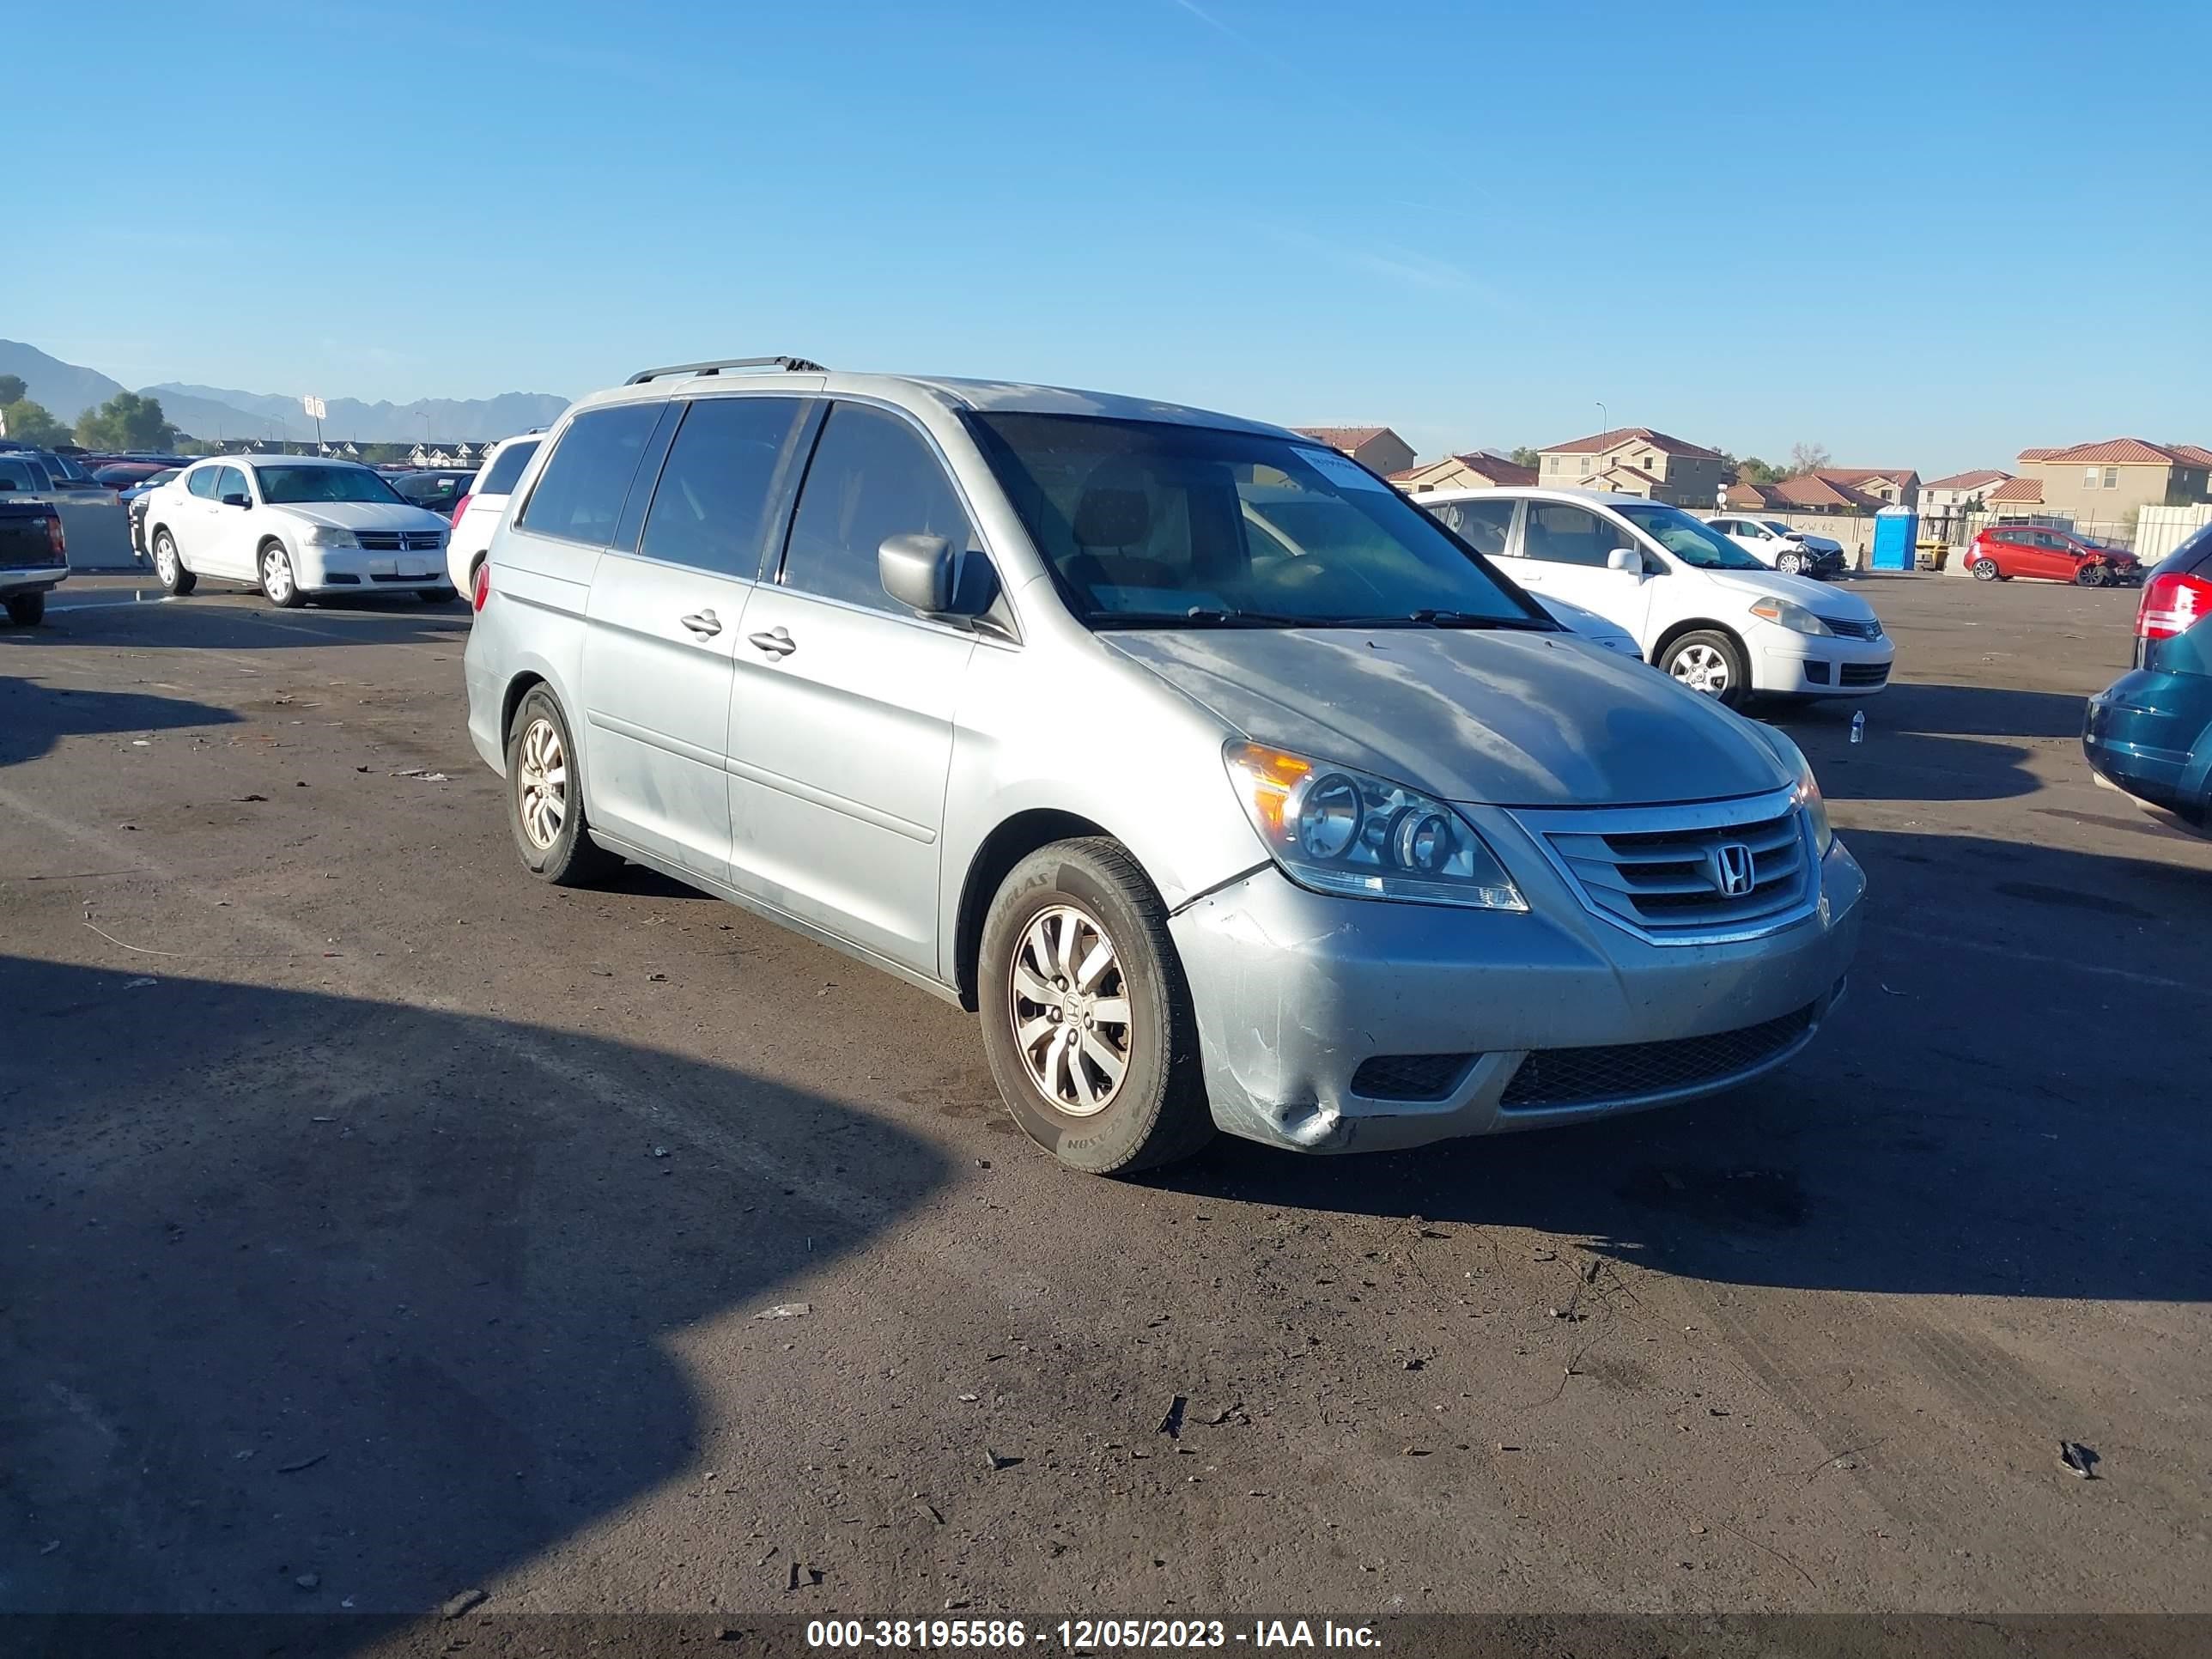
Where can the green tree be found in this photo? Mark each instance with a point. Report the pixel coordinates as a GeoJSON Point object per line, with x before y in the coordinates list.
{"type": "Point", "coordinates": [12, 390]}
{"type": "Point", "coordinates": [1525, 455]}
{"type": "Point", "coordinates": [1751, 470]}
{"type": "Point", "coordinates": [31, 422]}
{"type": "Point", "coordinates": [126, 421]}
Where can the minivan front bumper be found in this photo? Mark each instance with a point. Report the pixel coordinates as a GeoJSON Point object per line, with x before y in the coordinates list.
{"type": "Point", "coordinates": [1341, 1025]}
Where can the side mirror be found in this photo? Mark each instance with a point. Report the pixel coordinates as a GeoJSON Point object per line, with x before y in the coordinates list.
{"type": "Point", "coordinates": [1627, 561]}
{"type": "Point", "coordinates": [235, 500]}
{"type": "Point", "coordinates": [919, 572]}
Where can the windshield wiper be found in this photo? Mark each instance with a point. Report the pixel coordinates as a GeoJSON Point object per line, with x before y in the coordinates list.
{"type": "Point", "coordinates": [1200, 615]}
{"type": "Point", "coordinates": [1469, 619]}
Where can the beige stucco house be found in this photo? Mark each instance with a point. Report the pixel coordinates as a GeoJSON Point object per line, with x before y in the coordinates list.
{"type": "Point", "coordinates": [1375, 447]}
{"type": "Point", "coordinates": [1961, 492]}
{"type": "Point", "coordinates": [1474, 470]}
{"type": "Point", "coordinates": [1892, 486]}
{"type": "Point", "coordinates": [1635, 460]}
{"type": "Point", "coordinates": [2103, 483]}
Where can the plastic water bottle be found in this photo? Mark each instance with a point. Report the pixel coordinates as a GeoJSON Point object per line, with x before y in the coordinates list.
{"type": "Point", "coordinates": [1859, 726]}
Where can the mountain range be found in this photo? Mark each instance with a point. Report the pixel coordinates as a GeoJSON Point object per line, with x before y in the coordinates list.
{"type": "Point", "coordinates": [67, 390]}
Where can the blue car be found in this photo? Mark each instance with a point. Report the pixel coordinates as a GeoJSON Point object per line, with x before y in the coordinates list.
{"type": "Point", "coordinates": [2150, 730]}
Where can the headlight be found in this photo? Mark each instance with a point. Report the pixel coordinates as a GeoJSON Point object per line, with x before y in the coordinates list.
{"type": "Point", "coordinates": [1808, 796]}
{"type": "Point", "coordinates": [323, 535]}
{"type": "Point", "coordinates": [1340, 831]}
{"type": "Point", "coordinates": [1791, 615]}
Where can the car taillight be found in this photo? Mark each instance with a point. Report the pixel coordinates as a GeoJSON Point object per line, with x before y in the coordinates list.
{"type": "Point", "coordinates": [2172, 605]}
{"type": "Point", "coordinates": [461, 507]}
{"type": "Point", "coordinates": [481, 591]}
{"type": "Point", "coordinates": [56, 538]}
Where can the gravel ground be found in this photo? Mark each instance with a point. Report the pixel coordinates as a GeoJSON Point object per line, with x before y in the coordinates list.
{"type": "Point", "coordinates": [382, 1226]}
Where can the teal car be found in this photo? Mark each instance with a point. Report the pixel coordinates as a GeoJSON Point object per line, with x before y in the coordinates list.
{"type": "Point", "coordinates": [2149, 732]}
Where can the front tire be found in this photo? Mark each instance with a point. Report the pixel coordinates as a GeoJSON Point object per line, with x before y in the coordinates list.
{"type": "Point", "coordinates": [1711, 663]}
{"type": "Point", "coordinates": [1087, 1018]}
{"type": "Point", "coordinates": [545, 798]}
{"type": "Point", "coordinates": [27, 610]}
{"type": "Point", "coordinates": [279, 585]}
{"type": "Point", "coordinates": [1791, 564]}
{"type": "Point", "coordinates": [2091, 576]}
{"type": "Point", "coordinates": [169, 569]}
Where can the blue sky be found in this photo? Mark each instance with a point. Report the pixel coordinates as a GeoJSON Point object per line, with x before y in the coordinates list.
{"type": "Point", "coordinates": [1922, 234]}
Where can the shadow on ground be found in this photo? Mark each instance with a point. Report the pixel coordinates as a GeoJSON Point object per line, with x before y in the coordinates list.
{"type": "Point", "coordinates": [300, 1284]}
{"type": "Point", "coordinates": [214, 621]}
{"type": "Point", "coordinates": [2011, 1102]}
{"type": "Point", "coordinates": [33, 717]}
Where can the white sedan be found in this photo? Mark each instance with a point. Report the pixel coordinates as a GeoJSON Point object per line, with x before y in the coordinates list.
{"type": "Point", "coordinates": [296, 527]}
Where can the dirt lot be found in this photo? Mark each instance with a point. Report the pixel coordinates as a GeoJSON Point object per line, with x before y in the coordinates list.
{"type": "Point", "coordinates": [381, 1226]}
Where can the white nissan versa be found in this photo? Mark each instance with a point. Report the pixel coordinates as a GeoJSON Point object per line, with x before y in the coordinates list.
{"type": "Point", "coordinates": [1702, 609]}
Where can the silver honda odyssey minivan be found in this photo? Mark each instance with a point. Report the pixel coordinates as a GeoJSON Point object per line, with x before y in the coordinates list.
{"type": "Point", "coordinates": [1230, 790]}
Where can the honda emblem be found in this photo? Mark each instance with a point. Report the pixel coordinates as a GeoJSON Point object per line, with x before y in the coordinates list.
{"type": "Point", "coordinates": [1733, 873]}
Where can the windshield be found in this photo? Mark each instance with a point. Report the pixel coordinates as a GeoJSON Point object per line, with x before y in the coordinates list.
{"type": "Point", "coordinates": [284, 486]}
{"type": "Point", "coordinates": [1778, 527]}
{"type": "Point", "coordinates": [1692, 543]}
{"type": "Point", "coordinates": [1153, 525]}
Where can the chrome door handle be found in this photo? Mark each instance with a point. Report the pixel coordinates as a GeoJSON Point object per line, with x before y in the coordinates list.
{"type": "Point", "coordinates": [776, 642]}
{"type": "Point", "coordinates": [704, 623]}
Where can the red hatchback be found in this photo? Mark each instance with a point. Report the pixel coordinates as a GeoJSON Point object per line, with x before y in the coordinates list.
{"type": "Point", "coordinates": [2005, 550]}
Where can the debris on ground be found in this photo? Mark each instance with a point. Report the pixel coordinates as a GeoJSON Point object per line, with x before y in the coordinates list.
{"type": "Point", "coordinates": [998, 1462]}
{"type": "Point", "coordinates": [1172, 1424]}
{"type": "Point", "coordinates": [307, 1580]}
{"type": "Point", "coordinates": [785, 1311]}
{"type": "Point", "coordinates": [140, 983]}
{"type": "Point", "coordinates": [303, 1463]}
{"type": "Point", "coordinates": [2078, 1458]}
{"type": "Point", "coordinates": [243, 799]}
{"type": "Point", "coordinates": [467, 1600]}
{"type": "Point", "coordinates": [1548, 1255]}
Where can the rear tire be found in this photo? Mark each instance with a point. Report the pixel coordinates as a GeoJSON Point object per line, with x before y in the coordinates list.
{"type": "Point", "coordinates": [1075, 934]}
{"type": "Point", "coordinates": [27, 610]}
{"type": "Point", "coordinates": [1710, 662]}
{"type": "Point", "coordinates": [280, 586]}
{"type": "Point", "coordinates": [545, 798]}
{"type": "Point", "coordinates": [169, 568]}
{"type": "Point", "coordinates": [1985, 570]}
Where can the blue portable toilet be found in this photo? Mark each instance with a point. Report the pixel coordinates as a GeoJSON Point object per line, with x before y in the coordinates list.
{"type": "Point", "coordinates": [1896, 531]}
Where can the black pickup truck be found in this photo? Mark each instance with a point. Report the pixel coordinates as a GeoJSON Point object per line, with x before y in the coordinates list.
{"type": "Point", "coordinates": [34, 555]}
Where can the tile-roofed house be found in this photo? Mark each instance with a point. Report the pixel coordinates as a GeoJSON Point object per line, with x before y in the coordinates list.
{"type": "Point", "coordinates": [1900, 484]}
{"type": "Point", "coordinates": [1961, 492]}
{"type": "Point", "coordinates": [2100, 486]}
{"type": "Point", "coordinates": [1475, 469]}
{"type": "Point", "coordinates": [1815, 492]}
{"type": "Point", "coordinates": [1375, 448]}
{"type": "Point", "coordinates": [2017, 492]}
{"type": "Point", "coordinates": [2194, 452]}
{"type": "Point", "coordinates": [1636, 460]}
{"type": "Point", "coordinates": [1744, 497]}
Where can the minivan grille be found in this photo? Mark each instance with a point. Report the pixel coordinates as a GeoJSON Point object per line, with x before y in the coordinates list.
{"type": "Point", "coordinates": [1635, 1071]}
{"type": "Point", "coordinates": [1680, 874]}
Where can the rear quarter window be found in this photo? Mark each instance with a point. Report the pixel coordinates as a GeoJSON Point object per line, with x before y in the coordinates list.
{"type": "Point", "coordinates": [579, 496]}
{"type": "Point", "coordinates": [499, 476]}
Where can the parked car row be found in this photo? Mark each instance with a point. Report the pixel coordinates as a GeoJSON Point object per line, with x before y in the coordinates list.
{"type": "Point", "coordinates": [869, 655]}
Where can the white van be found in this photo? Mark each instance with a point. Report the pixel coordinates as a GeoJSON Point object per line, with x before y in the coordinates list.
{"type": "Point", "coordinates": [1702, 609]}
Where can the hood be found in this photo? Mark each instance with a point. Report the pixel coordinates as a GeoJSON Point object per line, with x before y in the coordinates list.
{"type": "Point", "coordinates": [1818, 544]}
{"type": "Point", "coordinates": [364, 515]}
{"type": "Point", "coordinates": [1756, 585]}
{"type": "Point", "coordinates": [1499, 719]}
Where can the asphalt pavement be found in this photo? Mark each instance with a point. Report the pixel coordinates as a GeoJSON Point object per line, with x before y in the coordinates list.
{"type": "Point", "coordinates": [383, 1225]}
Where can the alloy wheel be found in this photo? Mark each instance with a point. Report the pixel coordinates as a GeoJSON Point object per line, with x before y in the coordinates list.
{"type": "Point", "coordinates": [276, 576]}
{"type": "Point", "coordinates": [165, 560]}
{"type": "Point", "coordinates": [542, 784]}
{"type": "Point", "coordinates": [1069, 1009]}
{"type": "Point", "coordinates": [1701, 668]}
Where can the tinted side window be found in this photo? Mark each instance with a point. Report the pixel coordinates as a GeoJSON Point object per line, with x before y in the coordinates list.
{"type": "Point", "coordinates": [871, 477]}
{"type": "Point", "coordinates": [1570, 534]}
{"type": "Point", "coordinates": [580, 495]}
{"type": "Point", "coordinates": [202, 483]}
{"type": "Point", "coordinates": [1482, 524]}
{"type": "Point", "coordinates": [712, 506]}
{"type": "Point", "coordinates": [231, 482]}
{"type": "Point", "coordinates": [499, 477]}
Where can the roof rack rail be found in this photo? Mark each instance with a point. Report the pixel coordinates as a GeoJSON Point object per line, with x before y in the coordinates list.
{"type": "Point", "coordinates": [790, 365]}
